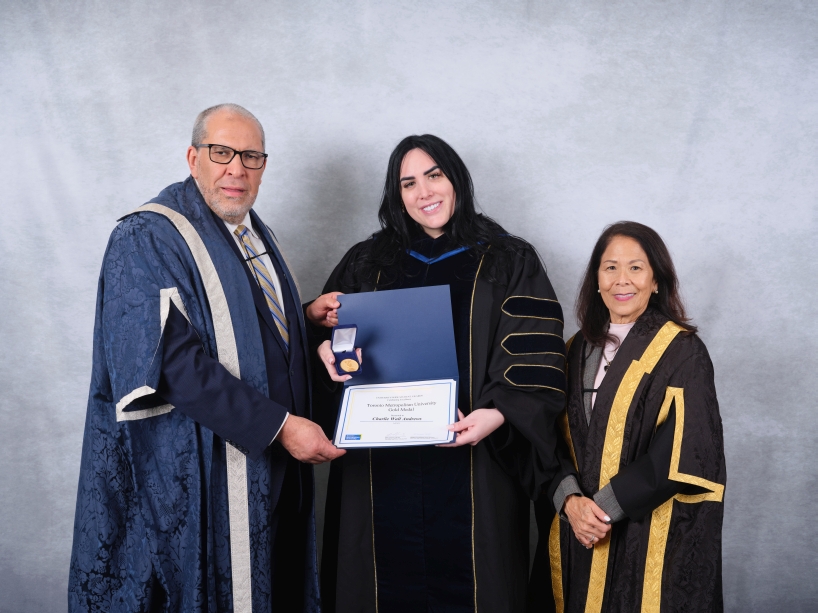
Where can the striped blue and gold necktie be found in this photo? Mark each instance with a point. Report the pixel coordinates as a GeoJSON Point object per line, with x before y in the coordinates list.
{"type": "Point", "coordinates": [265, 282]}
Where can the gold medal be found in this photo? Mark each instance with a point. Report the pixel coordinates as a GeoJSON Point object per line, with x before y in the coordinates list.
{"type": "Point", "coordinates": [349, 365]}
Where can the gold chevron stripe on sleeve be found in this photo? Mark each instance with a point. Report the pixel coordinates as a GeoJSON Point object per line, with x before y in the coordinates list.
{"type": "Point", "coordinates": [716, 493]}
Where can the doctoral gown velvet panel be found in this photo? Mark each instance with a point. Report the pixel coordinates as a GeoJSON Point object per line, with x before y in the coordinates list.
{"type": "Point", "coordinates": [655, 434]}
{"type": "Point", "coordinates": [450, 528]}
{"type": "Point", "coordinates": [152, 526]}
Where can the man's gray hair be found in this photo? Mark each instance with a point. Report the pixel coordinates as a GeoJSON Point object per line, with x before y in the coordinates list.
{"type": "Point", "coordinates": [200, 127]}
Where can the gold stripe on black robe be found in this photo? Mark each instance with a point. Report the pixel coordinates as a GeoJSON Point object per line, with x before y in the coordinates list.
{"type": "Point", "coordinates": [655, 435]}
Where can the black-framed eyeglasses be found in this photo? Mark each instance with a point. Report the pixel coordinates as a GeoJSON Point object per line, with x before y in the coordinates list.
{"type": "Point", "coordinates": [222, 154]}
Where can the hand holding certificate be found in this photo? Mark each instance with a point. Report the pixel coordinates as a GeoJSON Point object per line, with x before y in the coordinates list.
{"type": "Point", "coordinates": [407, 395]}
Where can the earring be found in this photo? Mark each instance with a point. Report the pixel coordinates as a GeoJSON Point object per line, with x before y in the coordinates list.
{"type": "Point", "coordinates": [598, 292]}
{"type": "Point", "coordinates": [656, 291]}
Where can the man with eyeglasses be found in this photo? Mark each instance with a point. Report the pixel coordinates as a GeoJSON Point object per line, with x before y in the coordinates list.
{"type": "Point", "coordinates": [195, 488]}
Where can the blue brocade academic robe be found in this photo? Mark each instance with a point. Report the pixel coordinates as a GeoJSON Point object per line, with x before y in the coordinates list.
{"type": "Point", "coordinates": [179, 504]}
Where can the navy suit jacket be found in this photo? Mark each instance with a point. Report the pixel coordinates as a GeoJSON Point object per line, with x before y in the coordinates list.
{"type": "Point", "coordinates": [201, 388]}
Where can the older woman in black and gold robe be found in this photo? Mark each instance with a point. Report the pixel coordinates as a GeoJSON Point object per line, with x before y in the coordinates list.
{"type": "Point", "coordinates": [639, 496]}
{"type": "Point", "coordinates": [417, 529]}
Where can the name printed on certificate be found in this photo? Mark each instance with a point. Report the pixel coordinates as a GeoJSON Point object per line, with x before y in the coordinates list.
{"type": "Point", "coordinates": [397, 414]}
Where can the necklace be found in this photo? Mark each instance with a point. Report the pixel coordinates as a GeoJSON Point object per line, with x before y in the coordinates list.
{"type": "Point", "coordinates": [607, 362]}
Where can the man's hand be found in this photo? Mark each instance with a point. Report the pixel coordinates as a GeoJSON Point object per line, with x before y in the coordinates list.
{"type": "Point", "coordinates": [324, 310]}
{"type": "Point", "coordinates": [306, 442]}
{"type": "Point", "coordinates": [328, 358]}
{"type": "Point", "coordinates": [474, 428]}
{"type": "Point", "coordinates": [588, 521]}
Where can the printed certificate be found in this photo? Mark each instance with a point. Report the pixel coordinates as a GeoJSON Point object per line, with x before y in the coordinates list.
{"type": "Point", "coordinates": [397, 414]}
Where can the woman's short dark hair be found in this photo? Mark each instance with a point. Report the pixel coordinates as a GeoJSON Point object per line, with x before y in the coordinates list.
{"type": "Point", "coordinates": [592, 314]}
{"type": "Point", "coordinates": [466, 227]}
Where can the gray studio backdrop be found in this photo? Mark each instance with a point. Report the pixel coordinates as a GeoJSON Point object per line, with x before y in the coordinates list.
{"type": "Point", "coordinates": [698, 118]}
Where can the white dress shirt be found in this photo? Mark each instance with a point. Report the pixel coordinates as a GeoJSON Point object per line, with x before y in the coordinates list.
{"type": "Point", "coordinates": [258, 245]}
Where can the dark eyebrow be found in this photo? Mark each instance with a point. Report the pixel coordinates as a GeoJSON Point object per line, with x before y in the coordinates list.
{"type": "Point", "coordinates": [631, 262]}
{"type": "Point", "coordinates": [431, 170]}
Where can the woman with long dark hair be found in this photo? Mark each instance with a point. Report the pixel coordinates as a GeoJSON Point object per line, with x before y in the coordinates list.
{"type": "Point", "coordinates": [642, 478]}
{"type": "Point", "coordinates": [418, 529]}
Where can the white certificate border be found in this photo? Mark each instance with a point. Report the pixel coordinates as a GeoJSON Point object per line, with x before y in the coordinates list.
{"type": "Point", "coordinates": [343, 412]}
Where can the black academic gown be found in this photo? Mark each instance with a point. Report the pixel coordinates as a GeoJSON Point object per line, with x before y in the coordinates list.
{"type": "Point", "coordinates": [655, 435]}
{"type": "Point", "coordinates": [431, 529]}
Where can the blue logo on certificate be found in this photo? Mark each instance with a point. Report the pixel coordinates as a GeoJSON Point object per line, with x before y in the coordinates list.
{"type": "Point", "coordinates": [352, 437]}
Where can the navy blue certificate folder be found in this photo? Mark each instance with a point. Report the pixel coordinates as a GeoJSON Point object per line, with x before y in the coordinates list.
{"type": "Point", "coordinates": [405, 334]}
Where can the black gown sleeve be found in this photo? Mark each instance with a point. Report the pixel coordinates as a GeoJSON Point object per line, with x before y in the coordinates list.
{"type": "Point", "coordinates": [643, 485]}
{"type": "Point", "coordinates": [526, 377]}
{"type": "Point", "coordinates": [693, 427]}
{"type": "Point", "coordinates": [201, 388]}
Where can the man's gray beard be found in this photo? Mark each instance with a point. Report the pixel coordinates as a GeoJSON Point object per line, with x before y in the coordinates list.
{"type": "Point", "coordinates": [216, 202]}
